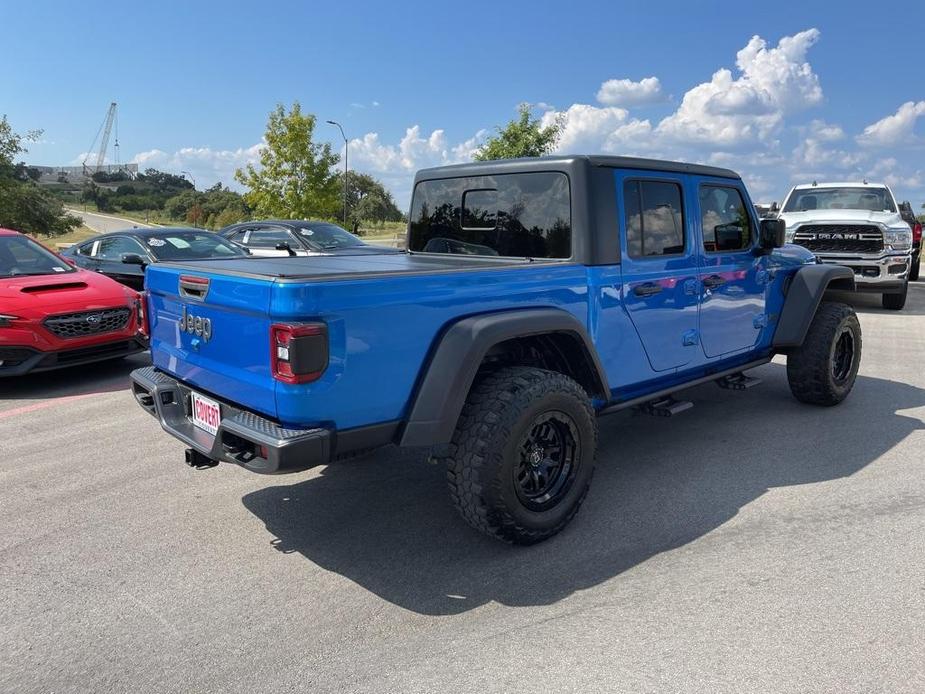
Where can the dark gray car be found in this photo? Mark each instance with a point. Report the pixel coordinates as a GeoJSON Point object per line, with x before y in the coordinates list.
{"type": "Point", "coordinates": [124, 255]}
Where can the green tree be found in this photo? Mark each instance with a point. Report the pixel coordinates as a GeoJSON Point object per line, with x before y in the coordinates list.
{"type": "Point", "coordinates": [295, 178]}
{"type": "Point", "coordinates": [367, 200]}
{"type": "Point", "coordinates": [24, 205]}
{"type": "Point", "coordinates": [522, 137]}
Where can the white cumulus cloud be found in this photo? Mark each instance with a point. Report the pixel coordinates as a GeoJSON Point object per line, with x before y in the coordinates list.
{"type": "Point", "coordinates": [894, 129]}
{"type": "Point", "coordinates": [626, 92]}
{"type": "Point", "coordinates": [395, 164]}
{"type": "Point", "coordinates": [732, 110]}
{"type": "Point", "coordinates": [207, 165]}
{"type": "Point", "coordinates": [587, 128]}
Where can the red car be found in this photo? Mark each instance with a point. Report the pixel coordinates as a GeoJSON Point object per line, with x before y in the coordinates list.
{"type": "Point", "coordinates": [54, 315]}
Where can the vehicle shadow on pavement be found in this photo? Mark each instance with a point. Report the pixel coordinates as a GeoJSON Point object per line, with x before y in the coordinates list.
{"type": "Point", "coordinates": [871, 303]}
{"type": "Point", "coordinates": [98, 377]}
{"type": "Point", "coordinates": [385, 521]}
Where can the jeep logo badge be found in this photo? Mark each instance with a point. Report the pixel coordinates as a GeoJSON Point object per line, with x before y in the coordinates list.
{"type": "Point", "coordinates": [196, 325]}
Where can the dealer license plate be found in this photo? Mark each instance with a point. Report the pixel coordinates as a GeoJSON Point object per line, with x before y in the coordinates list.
{"type": "Point", "coordinates": [207, 414]}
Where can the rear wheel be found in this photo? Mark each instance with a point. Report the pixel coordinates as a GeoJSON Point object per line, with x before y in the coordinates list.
{"type": "Point", "coordinates": [895, 302]}
{"type": "Point", "coordinates": [522, 456]}
{"type": "Point", "coordinates": [823, 370]}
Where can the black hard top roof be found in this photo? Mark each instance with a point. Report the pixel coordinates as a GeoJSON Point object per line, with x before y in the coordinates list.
{"type": "Point", "coordinates": [567, 162]}
{"type": "Point", "coordinates": [147, 232]}
{"type": "Point", "coordinates": [281, 222]}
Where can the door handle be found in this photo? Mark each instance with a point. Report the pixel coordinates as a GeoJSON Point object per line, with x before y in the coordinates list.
{"type": "Point", "coordinates": [713, 281]}
{"type": "Point", "coordinates": [647, 289]}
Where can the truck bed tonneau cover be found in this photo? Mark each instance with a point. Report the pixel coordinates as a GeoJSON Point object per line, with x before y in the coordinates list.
{"type": "Point", "coordinates": [322, 268]}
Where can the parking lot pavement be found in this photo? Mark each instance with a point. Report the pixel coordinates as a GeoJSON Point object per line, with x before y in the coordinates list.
{"type": "Point", "coordinates": [752, 544]}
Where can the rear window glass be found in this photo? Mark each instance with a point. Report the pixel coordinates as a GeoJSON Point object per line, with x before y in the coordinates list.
{"type": "Point", "coordinates": [517, 215]}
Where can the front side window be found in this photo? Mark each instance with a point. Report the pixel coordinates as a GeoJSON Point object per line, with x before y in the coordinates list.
{"type": "Point", "coordinates": [324, 236]}
{"type": "Point", "coordinates": [190, 245]}
{"type": "Point", "coordinates": [654, 218]}
{"type": "Point", "coordinates": [725, 220]}
{"type": "Point", "coordinates": [113, 248]}
{"type": "Point", "coordinates": [267, 238]}
{"type": "Point", "coordinates": [526, 215]}
{"type": "Point", "coordinates": [20, 256]}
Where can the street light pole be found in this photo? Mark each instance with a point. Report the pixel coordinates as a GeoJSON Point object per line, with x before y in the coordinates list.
{"type": "Point", "coordinates": [346, 144]}
{"type": "Point", "coordinates": [192, 180]}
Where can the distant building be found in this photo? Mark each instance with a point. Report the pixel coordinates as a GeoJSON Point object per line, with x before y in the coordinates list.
{"type": "Point", "coordinates": [77, 174]}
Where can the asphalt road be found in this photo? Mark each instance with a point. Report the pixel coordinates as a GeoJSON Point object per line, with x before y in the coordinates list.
{"type": "Point", "coordinates": [752, 544]}
{"type": "Point", "coordinates": [104, 223]}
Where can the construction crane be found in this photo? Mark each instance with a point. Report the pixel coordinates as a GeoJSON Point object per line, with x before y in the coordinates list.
{"type": "Point", "coordinates": [106, 130]}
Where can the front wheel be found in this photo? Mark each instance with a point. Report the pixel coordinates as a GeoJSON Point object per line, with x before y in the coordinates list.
{"type": "Point", "coordinates": [895, 302]}
{"type": "Point", "coordinates": [914, 270]}
{"type": "Point", "coordinates": [823, 369]}
{"type": "Point", "coordinates": [522, 456]}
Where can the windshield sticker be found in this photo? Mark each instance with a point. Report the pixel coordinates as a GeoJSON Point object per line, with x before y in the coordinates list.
{"type": "Point", "coordinates": [156, 242]}
{"type": "Point", "coordinates": [59, 269]}
{"type": "Point", "coordinates": [306, 232]}
{"type": "Point", "coordinates": [177, 242]}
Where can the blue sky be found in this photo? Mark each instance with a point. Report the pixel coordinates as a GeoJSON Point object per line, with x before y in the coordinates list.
{"type": "Point", "coordinates": [783, 92]}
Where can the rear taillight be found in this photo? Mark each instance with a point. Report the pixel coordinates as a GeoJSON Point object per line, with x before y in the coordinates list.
{"type": "Point", "coordinates": [298, 351]}
{"type": "Point", "coordinates": [916, 233]}
{"type": "Point", "coordinates": [141, 310]}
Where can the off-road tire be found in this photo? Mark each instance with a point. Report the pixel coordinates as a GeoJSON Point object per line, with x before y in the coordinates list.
{"type": "Point", "coordinates": [813, 369]}
{"type": "Point", "coordinates": [500, 414]}
{"type": "Point", "coordinates": [895, 302]}
{"type": "Point", "coordinates": [914, 270]}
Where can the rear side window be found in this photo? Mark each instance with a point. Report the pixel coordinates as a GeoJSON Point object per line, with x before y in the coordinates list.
{"type": "Point", "coordinates": [725, 219]}
{"type": "Point", "coordinates": [517, 215]}
{"type": "Point", "coordinates": [654, 218]}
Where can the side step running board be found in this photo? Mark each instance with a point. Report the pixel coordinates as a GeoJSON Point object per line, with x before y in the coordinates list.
{"type": "Point", "coordinates": [737, 381]}
{"type": "Point", "coordinates": [666, 407]}
{"type": "Point", "coordinates": [666, 392]}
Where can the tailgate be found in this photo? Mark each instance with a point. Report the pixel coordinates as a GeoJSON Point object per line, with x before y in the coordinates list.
{"type": "Point", "coordinates": [213, 332]}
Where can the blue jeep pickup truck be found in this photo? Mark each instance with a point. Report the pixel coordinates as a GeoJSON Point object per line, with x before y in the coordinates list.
{"type": "Point", "coordinates": [535, 296]}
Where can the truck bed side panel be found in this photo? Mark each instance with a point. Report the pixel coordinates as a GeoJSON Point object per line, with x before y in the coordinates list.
{"type": "Point", "coordinates": [382, 332]}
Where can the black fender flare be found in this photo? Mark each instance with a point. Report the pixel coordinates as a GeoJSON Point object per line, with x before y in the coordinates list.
{"type": "Point", "coordinates": [458, 353]}
{"type": "Point", "coordinates": [804, 294]}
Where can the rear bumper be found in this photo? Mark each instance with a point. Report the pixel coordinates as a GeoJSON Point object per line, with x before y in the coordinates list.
{"type": "Point", "coordinates": [243, 438]}
{"type": "Point", "coordinates": [885, 274]}
{"type": "Point", "coordinates": [16, 361]}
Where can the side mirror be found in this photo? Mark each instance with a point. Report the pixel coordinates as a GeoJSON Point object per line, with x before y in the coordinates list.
{"type": "Point", "coordinates": [772, 234]}
{"type": "Point", "coordinates": [133, 259]}
{"type": "Point", "coordinates": [285, 247]}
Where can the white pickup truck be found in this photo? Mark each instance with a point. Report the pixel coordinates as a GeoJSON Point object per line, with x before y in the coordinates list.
{"type": "Point", "coordinates": [857, 225]}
